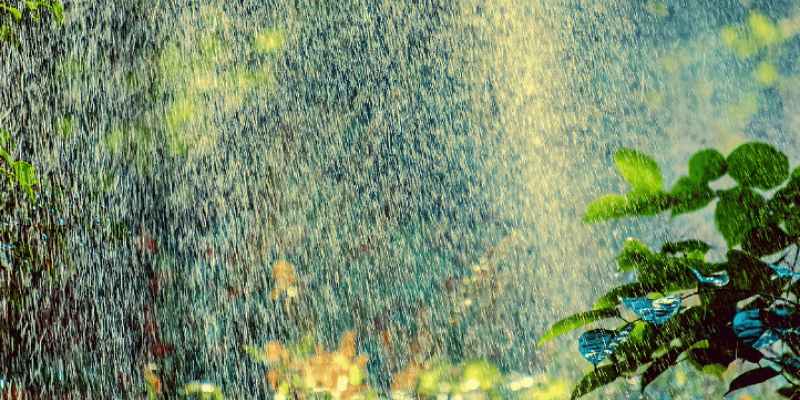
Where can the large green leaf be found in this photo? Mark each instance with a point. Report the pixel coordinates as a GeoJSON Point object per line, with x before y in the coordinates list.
{"type": "Point", "coordinates": [752, 377]}
{"type": "Point", "coordinates": [634, 253]}
{"type": "Point", "coordinates": [690, 195]}
{"type": "Point", "coordinates": [599, 377]}
{"type": "Point", "coordinates": [766, 240]}
{"type": "Point", "coordinates": [758, 165]}
{"type": "Point", "coordinates": [739, 209]}
{"type": "Point", "coordinates": [610, 206]}
{"type": "Point", "coordinates": [638, 169]}
{"type": "Point", "coordinates": [685, 247]}
{"type": "Point", "coordinates": [13, 11]}
{"type": "Point", "coordinates": [647, 202]}
{"type": "Point", "coordinates": [670, 274]}
{"type": "Point", "coordinates": [707, 165]}
{"type": "Point", "coordinates": [26, 175]}
{"type": "Point", "coordinates": [577, 321]}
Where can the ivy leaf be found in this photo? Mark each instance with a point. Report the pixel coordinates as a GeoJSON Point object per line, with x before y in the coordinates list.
{"type": "Point", "coordinates": [690, 195]}
{"type": "Point", "coordinates": [707, 165]}
{"type": "Point", "coordinates": [58, 11]}
{"type": "Point", "coordinates": [610, 206]}
{"type": "Point", "coordinates": [25, 173]}
{"type": "Point", "coordinates": [577, 321]}
{"type": "Point", "coordinates": [766, 240]}
{"type": "Point", "coordinates": [758, 165]}
{"type": "Point", "coordinates": [752, 377]}
{"type": "Point", "coordinates": [638, 169]}
{"type": "Point", "coordinates": [685, 247]}
{"type": "Point", "coordinates": [13, 11]}
{"type": "Point", "coordinates": [599, 377]}
{"type": "Point", "coordinates": [648, 202]}
{"type": "Point", "coordinates": [739, 210]}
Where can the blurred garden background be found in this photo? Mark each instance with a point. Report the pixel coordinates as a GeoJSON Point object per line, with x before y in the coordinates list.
{"type": "Point", "coordinates": [352, 199]}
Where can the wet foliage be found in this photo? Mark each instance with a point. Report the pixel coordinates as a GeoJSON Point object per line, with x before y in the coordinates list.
{"type": "Point", "coordinates": [708, 314]}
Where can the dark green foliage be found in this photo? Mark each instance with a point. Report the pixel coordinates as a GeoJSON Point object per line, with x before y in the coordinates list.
{"type": "Point", "coordinates": [738, 210]}
{"type": "Point", "coordinates": [713, 334]}
{"type": "Point", "coordinates": [707, 165]}
{"type": "Point", "coordinates": [758, 165]}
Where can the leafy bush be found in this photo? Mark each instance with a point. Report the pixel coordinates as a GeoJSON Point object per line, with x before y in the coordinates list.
{"type": "Point", "coordinates": [709, 314]}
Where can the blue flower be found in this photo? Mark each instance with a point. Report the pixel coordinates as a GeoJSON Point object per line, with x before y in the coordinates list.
{"type": "Point", "coordinates": [655, 311]}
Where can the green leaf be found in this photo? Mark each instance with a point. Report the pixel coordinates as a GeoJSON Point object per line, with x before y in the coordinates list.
{"type": "Point", "coordinates": [690, 195]}
{"type": "Point", "coordinates": [25, 173]}
{"type": "Point", "coordinates": [58, 10]}
{"type": "Point", "coordinates": [671, 274]}
{"type": "Point", "coordinates": [577, 321]}
{"type": "Point", "coordinates": [739, 209]}
{"type": "Point", "coordinates": [707, 165]}
{"type": "Point", "coordinates": [660, 365]}
{"type": "Point", "coordinates": [610, 206]}
{"type": "Point", "coordinates": [758, 165]}
{"type": "Point", "coordinates": [13, 11]}
{"type": "Point", "coordinates": [716, 370]}
{"type": "Point", "coordinates": [638, 169]}
{"type": "Point", "coordinates": [685, 247]}
{"type": "Point", "coordinates": [5, 136]}
{"type": "Point", "coordinates": [634, 253]}
{"type": "Point", "coordinates": [599, 377]}
{"type": "Point", "coordinates": [611, 299]}
{"type": "Point", "coordinates": [766, 240]}
{"type": "Point", "coordinates": [5, 156]}
{"type": "Point", "coordinates": [752, 377]}
{"type": "Point", "coordinates": [7, 36]}
{"type": "Point", "coordinates": [651, 202]}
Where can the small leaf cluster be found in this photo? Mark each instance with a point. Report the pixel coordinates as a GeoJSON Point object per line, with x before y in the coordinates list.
{"type": "Point", "coordinates": [743, 308]}
{"type": "Point", "coordinates": [7, 32]}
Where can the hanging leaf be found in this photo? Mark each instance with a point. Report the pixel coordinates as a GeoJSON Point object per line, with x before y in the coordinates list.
{"type": "Point", "coordinates": [758, 165]}
{"type": "Point", "coordinates": [659, 366]}
{"type": "Point", "coordinates": [655, 311]}
{"type": "Point", "coordinates": [599, 377]}
{"type": "Point", "coordinates": [611, 206]}
{"type": "Point", "coordinates": [752, 377]}
{"type": "Point", "coordinates": [766, 240]}
{"type": "Point", "coordinates": [685, 247]}
{"type": "Point", "coordinates": [638, 169]}
{"type": "Point", "coordinates": [13, 11]}
{"type": "Point", "coordinates": [707, 165]}
{"type": "Point", "coordinates": [577, 321]}
{"type": "Point", "coordinates": [718, 279]}
{"type": "Point", "coordinates": [738, 210]}
{"type": "Point", "coordinates": [690, 195]}
{"type": "Point", "coordinates": [647, 202]}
